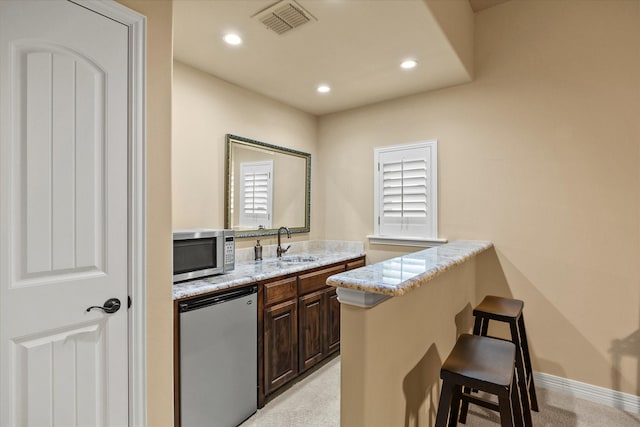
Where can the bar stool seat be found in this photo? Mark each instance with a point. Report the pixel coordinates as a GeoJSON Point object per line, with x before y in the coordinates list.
{"type": "Point", "coordinates": [509, 310]}
{"type": "Point", "coordinates": [498, 308]}
{"type": "Point", "coordinates": [485, 364]}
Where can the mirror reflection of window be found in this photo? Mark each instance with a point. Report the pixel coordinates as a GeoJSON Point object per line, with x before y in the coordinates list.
{"type": "Point", "coordinates": [289, 194]}
{"type": "Point", "coordinates": [256, 194]}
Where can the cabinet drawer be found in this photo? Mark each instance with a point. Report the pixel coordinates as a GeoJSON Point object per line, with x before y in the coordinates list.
{"type": "Point", "coordinates": [317, 280]}
{"type": "Point", "coordinates": [355, 264]}
{"type": "Point", "coordinates": [280, 290]}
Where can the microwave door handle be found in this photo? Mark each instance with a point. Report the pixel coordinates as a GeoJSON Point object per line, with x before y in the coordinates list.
{"type": "Point", "coordinates": [220, 253]}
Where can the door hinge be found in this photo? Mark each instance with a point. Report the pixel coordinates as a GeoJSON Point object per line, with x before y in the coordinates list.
{"type": "Point", "coordinates": [128, 302]}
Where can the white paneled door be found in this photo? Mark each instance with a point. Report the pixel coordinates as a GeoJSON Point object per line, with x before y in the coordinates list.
{"type": "Point", "coordinates": [63, 215]}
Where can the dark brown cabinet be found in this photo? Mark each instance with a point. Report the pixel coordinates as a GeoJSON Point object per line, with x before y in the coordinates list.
{"type": "Point", "coordinates": [319, 326]}
{"type": "Point", "coordinates": [319, 315]}
{"type": "Point", "coordinates": [299, 316]}
{"type": "Point", "coordinates": [309, 282]}
{"type": "Point", "coordinates": [316, 322]}
{"type": "Point", "coordinates": [280, 344]}
{"type": "Point", "coordinates": [333, 322]}
{"type": "Point", "coordinates": [352, 265]}
{"type": "Point", "coordinates": [312, 329]}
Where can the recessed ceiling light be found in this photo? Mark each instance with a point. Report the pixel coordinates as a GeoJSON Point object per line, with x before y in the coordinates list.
{"type": "Point", "coordinates": [408, 64]}
{"type": "Point", "coordinates": [323, 89]}
{"type": "Point", "coordinates": [232, 39]}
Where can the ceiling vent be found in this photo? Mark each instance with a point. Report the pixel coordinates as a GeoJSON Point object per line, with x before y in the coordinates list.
{"type": "Point", "coordinates": [284, 16]}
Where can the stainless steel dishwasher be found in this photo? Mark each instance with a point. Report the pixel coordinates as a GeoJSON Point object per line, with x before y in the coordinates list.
{"type": "Point", "coordinates": [218, 359]}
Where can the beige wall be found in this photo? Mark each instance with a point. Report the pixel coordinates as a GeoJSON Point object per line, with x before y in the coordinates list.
{"type": "Point", "coordinates": [159, 280]}
{"type": "Point", "coordinates": [456, 19]}
{"type": "Point", "coordinates": [540, 154]}
{"type": "Point", "coordinates": [205, 109]}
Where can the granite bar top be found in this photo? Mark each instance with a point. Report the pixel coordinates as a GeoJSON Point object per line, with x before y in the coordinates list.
{"type": "Point", "coordinates": [247, 270]}
{"type": "Point", "coordinates": [397, 276]}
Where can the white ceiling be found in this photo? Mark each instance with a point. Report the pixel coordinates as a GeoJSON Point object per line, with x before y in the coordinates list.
{"type": "Point", "coordinates": [355, 46]}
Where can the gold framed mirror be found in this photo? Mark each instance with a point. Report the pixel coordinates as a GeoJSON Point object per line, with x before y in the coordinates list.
{"type": "Point", "coordinates": [266, 187]}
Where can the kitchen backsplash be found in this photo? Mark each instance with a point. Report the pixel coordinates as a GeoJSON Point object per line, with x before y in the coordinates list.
{"type": "Point", "coordinates": [304, 247]}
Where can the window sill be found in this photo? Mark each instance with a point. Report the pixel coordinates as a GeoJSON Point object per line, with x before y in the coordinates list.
{"type": "Point", "coordinates": [406, 241]}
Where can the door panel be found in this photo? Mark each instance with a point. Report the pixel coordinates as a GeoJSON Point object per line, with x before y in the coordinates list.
{"type": "Point", "coordinates": [69, 364]}
{"type": "Point", "coordinates": [63, 215]}
{"type": "Point", "coordinates": [62, 186]}
{"type": "Point", "coordinates": [280, 344]}
{"type": "Point", "coordinates": [333, 323]}
{"type": "Point", "coordinates": [312, 329]}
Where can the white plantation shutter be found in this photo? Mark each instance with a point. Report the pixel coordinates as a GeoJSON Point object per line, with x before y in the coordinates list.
{"type": "Point", "coordinates": [406, 190]}
{"type": "Point", "coordinates": [256, 193]}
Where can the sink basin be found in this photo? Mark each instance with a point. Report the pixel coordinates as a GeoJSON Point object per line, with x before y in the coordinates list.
{"type": "Point", "coordinates": [293, 259]}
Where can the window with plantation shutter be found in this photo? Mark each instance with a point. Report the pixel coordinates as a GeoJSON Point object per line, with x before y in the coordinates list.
{"type": "Point", "coordinates": [406, 191]}
{"type": "Point", "coordinates": [256, 194]}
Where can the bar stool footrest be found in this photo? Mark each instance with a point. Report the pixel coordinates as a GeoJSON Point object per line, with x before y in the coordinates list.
{"type": "Point", "coordinates": [480, 402]}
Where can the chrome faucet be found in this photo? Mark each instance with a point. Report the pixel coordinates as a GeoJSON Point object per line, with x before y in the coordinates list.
{"type": "Point", "coordinates": [279, 250]}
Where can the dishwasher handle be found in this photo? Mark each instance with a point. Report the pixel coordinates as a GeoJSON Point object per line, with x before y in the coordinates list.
{"type": "Point", "coordinates": [197, 303]}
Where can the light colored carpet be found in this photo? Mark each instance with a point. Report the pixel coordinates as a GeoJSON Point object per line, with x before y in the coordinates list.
{"type": "Point", "coordinates": [315, 402]}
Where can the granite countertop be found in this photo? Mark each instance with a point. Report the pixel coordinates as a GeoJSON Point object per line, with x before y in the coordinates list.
{"type": "Point", "coordinates": [247, 270]}
{"type": "Point", "coordinates": [397, 276]}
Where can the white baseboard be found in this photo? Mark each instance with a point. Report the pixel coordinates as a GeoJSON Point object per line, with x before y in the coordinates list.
{"type": "Point", "coordinates": [604, 396]}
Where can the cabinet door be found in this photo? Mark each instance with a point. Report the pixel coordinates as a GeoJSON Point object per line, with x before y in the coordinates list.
{"type": "Point", "coordinates": [312, 329]}
{"type": "Point", "coordinates": [280, 344]}
{"type": "Point", "coordinates": [333, 321]}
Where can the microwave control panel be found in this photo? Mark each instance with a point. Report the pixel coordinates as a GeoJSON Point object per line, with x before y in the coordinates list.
{"type": "Point", "coordinates": [229, 250]}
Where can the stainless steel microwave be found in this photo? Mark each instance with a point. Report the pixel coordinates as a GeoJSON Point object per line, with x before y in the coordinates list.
{"type": "Point", "coordinates": [201, 253]}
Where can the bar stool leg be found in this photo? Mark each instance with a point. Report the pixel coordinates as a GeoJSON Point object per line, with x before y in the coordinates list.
{"type": "Point", "coordinates": [522, 377]}
{"type": "Point", "coordinates": [455, 406]}
{"type": "Point", "coordinates": [515, 403]}
{"type": "Point", "coordinates": [443, 406]}
{"type": "Point", "coordinates": [506, 414]}
{"type": "Point", "coordinates": [478, 325]}
{"type": "Point", "coordinates": [527, 364]}
{"type": "Point", "coordinates": [485, 327]}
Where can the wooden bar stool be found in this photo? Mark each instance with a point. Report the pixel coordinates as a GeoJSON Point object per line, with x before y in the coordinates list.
{"type": "Point", "coordinates": [485, 364]}
{"type": "Point", "coordinates": [509, 311]}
